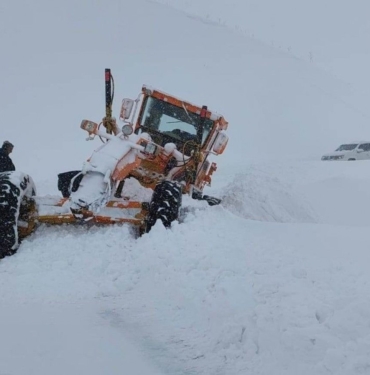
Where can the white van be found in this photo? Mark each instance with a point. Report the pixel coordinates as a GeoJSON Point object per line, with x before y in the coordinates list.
{"type": "Point", "coordinates": [350, 151]}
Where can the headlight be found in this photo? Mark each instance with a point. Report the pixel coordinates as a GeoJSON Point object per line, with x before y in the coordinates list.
{"type": "Point", "coordinates": [338, 157]}
{"type": "Point", "coordinates": [127, 129]}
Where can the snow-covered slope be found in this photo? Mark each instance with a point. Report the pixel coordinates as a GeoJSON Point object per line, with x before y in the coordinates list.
{"type": "Point", "coordinates": [274, 281]}
{"type": "Point", "coordinates": [333, 35]}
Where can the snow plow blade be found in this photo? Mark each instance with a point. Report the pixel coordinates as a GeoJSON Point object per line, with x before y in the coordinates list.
{"type": "Point", "coordinates": [114, 212]}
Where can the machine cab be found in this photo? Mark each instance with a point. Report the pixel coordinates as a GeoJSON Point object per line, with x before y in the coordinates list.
{"type": "Point", "coordinates": [170, 120]}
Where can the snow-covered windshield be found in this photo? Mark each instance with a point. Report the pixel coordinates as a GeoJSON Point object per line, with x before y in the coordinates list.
{"type": "Point", "coordinates": [173, 121]}
{"type": "Point", "coordinates": [348, 147]}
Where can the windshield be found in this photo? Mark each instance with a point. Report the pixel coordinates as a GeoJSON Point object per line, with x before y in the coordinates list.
{"type": "Point", "coordinates": [347, 147]}
{"type": "Point", "coordinates": [173, 121]}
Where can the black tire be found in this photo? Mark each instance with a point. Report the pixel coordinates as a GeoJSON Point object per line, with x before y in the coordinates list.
{"type": "Point", "coordinates": [64, 182]}
{"type": "Point", "coordinates": [14, 188]}
{"type": "Point", "coordinates": [165, 204]}
{"type": "Point", "coordinates": [351, 159]}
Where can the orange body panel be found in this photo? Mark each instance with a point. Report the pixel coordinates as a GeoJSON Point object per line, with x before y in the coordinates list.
{"type": "Point", "coordinates": [122, 171]}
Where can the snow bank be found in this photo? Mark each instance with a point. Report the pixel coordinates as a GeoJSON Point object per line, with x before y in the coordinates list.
{"type": "Point", "coordinates": [260, 195]}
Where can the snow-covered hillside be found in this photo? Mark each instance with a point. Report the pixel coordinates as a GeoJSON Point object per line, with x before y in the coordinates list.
{"type": "Point", "coordinates": [273, 281]}
{"type": "Point", "coordinates": [332, 34]}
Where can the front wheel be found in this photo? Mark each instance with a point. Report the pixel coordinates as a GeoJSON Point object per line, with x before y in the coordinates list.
{"type": "Point", "coordinates": [165, 204]}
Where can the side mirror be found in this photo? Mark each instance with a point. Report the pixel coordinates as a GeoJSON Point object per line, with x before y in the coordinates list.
{"type": "Point", "coordinates": [126, 109]}
{"type": "Point", "coordinates": [220, 143]}
{"type": "Point", "coordinates": [360, 150]}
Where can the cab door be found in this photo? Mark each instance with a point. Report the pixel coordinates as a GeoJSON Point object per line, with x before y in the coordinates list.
{"type": "Point", "coordinates": [363, 151]}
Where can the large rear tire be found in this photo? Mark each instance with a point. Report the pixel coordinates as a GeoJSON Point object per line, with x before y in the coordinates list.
{"type": "Point", "coordinates": [15, 189]}
{"type": "Point", "coordinates": [165, 204]}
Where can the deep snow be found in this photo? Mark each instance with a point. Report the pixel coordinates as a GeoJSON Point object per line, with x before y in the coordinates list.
{"type": "Point", "coordinates": [218, 293]}
{"type": "Point", "coordinates": [273, 281]}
